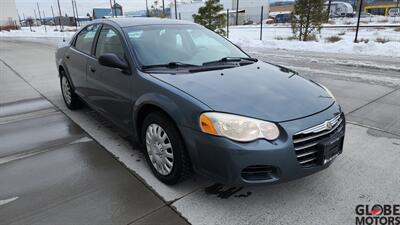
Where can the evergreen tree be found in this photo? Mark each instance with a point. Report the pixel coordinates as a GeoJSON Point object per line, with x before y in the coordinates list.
{"type": "Point", "coordinates": [307, 18]}
{"type": "Point", "coordinates": [210, 16]}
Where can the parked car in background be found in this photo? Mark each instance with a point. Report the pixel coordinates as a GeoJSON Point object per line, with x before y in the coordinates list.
{"type": "Point", "coordinates": [283, 18]}
{"type": "Point", "coordinates": [196, 102]}
{"type": "Point", "coordinates": [393, 12]}
{"type": "Point", "coordinates": [339, 9]}
{"type": "Point", "coordinates": [248, 22]}
{"type": "Point", "coordinates": [270, 20]}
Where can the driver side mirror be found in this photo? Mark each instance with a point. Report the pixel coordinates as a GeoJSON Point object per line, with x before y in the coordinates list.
{"type": "Point", "coordinates": [112, 60]}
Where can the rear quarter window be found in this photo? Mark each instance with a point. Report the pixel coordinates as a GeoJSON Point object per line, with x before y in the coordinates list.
{"type": "Point", "coordinates": [84, 39]}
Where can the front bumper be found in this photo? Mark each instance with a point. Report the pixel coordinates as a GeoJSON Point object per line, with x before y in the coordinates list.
{"type": "Point", "coordinates": [261, 161]}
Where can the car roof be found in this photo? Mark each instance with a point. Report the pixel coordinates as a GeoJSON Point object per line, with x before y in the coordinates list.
{"type": "Point", "coordinates": [137, 21]}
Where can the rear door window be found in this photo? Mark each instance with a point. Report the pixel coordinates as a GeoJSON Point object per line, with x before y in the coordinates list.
{"type": "Point", "coordinates": [84, 39]}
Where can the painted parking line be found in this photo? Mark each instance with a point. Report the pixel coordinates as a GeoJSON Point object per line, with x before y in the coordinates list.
{"type": "Point", "coordinates": [6, 201]}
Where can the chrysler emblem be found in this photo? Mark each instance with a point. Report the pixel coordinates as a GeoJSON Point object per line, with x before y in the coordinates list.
{"type": "Point", "coordinates": [328, 125]}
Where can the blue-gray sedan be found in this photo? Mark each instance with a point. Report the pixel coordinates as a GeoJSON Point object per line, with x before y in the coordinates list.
{"type": "Point", "coordinates": [197, 102]}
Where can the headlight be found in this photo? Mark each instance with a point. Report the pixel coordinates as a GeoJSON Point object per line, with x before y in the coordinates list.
{"type": "Point", "coordinates": [328, 91]}
{"type": "Point", "coordinates": [238, 128]}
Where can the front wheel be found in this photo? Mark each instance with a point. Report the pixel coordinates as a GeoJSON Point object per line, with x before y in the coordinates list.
{"type": "Point", "coordinates": [165, 152]}
{"type": "Point", "coordinates": [70, 98]}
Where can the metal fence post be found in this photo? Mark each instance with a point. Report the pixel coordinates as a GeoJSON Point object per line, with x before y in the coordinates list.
{"type": "Point", "coordinates": [329, 9]}
{"type": "Point", "coordinates": [358, 21]}
{"type": "Point", "coordinates": [227, 23]}
{"type": "Point", "coordinates": [261, 23]}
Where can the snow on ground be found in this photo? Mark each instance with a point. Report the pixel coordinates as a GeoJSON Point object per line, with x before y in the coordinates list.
{"type": "Point", "coordinates": [40, 34]}
{"type": "Point", "coordinates": [370, 20]}
{"type": "Point", "coordinates": [277, 38]}
{"type": "Point", "coordinates": [274, 37]}
{"type": "Point", "coordinates": [50, 31]}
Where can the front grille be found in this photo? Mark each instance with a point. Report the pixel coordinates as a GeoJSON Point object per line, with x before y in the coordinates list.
{"type": "Point", "coordinates": [306, 142]}
{"type": "Point", "coordinates": [258, 172]}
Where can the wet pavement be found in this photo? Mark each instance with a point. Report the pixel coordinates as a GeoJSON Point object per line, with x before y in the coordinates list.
{"type": "Point", "coordinates": [366, 173]}
{"type": "Point", "coordinates": [52, 172]}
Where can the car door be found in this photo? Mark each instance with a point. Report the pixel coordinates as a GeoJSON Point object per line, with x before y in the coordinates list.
{"type": "Point", "coordinates": [77, 55]}
{"type": "Point", "coordinates": [111, 88]}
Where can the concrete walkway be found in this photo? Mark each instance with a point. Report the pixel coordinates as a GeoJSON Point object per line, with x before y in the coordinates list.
{"type": "Point", "coordinates": [52, 172]}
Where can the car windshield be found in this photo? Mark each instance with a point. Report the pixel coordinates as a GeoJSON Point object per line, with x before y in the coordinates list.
{"type": "Point", "coordinates": [179, 44]}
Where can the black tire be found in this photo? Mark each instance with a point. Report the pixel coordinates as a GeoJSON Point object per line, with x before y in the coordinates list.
{"type": "Point", "coordinates": [74, 102]}
{"type": "Point", "coordinates": [181, 168]}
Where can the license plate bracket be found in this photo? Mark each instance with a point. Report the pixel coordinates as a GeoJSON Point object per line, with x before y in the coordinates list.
{"type": "Point", "coordinates": [331, 149]}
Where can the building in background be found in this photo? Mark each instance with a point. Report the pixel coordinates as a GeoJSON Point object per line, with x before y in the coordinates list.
{"type": "Point", "coordinates": [249, 10]}
{"type": "Point", "coordinates": [138, 13]}
{"type": "Point", "coordinates": [282, 6]}
{"type": "Point", "coordinates": [99, 13]}
{"type": "Point", "coordinates": [64, 20]}
{"type": "Point", "coordinates": [380, 7]}
{"type": "Point", "coordinates": [8, 14]}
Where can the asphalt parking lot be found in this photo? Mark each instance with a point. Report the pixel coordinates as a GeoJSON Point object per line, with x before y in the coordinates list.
{"type": "Point", "coordinates": [366, 173]}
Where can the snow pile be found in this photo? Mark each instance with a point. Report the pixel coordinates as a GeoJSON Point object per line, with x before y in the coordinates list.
{"type": "Point", "coordinates": [369, 20]}
{"type": "Point", "coordinates": [39, 32]}
{"type": "Point", "coordinates": [344, 46]}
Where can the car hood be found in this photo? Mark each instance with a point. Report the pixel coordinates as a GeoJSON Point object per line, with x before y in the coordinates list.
{"type": "Point", "coordinates": [259, 90]}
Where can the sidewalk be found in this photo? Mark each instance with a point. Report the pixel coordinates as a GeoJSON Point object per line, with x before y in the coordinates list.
{"type": "Point", "coordinates": [52, 172]}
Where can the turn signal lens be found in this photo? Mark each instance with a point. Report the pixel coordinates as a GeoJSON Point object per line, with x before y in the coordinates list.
{"type": "Point", "coordinates": [207, 125]}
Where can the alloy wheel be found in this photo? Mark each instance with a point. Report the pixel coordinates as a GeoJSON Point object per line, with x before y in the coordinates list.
{"type": "Point", "coordinates": [66, 90]}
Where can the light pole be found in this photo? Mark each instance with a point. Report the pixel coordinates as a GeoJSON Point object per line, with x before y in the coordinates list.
{"type": "Point", "coordinates": [112, 11]}
{"type": "Point", "coordinates": [52, 13]}
{"type": "Point", "coordinates": [77, 15]}
{"type": "Point", "coordinates": [329, 8]}
{"type": "Point", "coordinates": [40, 17]}
{"type": "Point", "coordinates": [60, 19]}
{"type": "Point", "coordinates": [73, 13]}
{"type": "Point", "coordinates": [163, 8]}
{"type": "Point", "coordinates": [237, 12]}
{"type": "Point", "coordinates": [176, 12]}
{"type": "Point", "coordinates": [147, 9]}
{"type": "Point", "coordinates": [115, 10]}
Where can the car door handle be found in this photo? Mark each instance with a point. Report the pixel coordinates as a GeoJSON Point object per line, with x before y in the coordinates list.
{"type": "Point", "coordinates": [67, 56]}
{"type": "Point", "coordinates": [92, 69]}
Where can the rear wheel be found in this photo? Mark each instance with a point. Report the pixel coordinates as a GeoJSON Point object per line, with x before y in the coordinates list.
{"type": "Point", "coordinates": [165, 151]}
{"type": "Point", "coordinates": [70, 98]}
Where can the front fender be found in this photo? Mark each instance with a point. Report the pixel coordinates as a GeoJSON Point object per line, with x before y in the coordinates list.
{"type": "Point", "coordinates": [161, 101]}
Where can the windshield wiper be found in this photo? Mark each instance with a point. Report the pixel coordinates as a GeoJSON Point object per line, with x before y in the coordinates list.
{"type": "Point", "coordinates": [169, 65]}
{"type": "Point", "coordinates": [230, 59]}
